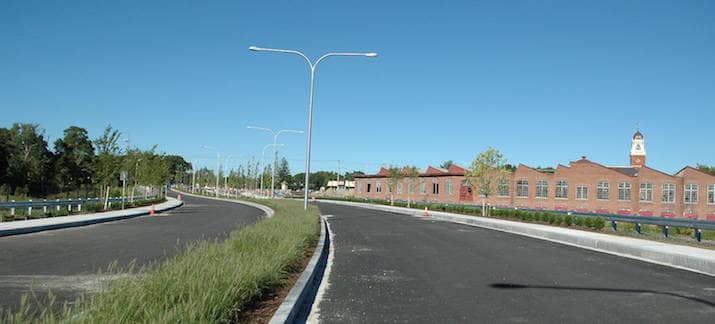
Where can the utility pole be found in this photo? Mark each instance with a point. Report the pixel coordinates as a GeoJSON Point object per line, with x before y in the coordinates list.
{"type": "Point", "coordinates": [337, 183]}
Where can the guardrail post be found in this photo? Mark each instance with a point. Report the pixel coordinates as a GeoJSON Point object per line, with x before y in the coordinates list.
{"type": "Point", "coordinates": [614, 224]}
{"type": "Point", "coordinates": [698, 234]}
{"type": "Point", "coordinates": [44, 207]}
{"type": "Point", "coordinates": [638, 228]}
{"type": "Point", "coordinates": [69, 207]}
{"type": "Point", "coordinates": [79, 207]}
{"type": "Point", "coordinates": [29, 210]}
{"type": "Point", "coordinates": [12, 209]}
{"type": "Point", "coordinates": [58, 205]}
{"type": "Point", "coordinates": [665, 231]}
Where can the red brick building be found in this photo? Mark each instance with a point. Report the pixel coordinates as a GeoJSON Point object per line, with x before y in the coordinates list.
{"type": "Point", "coordinates": [582, 186]}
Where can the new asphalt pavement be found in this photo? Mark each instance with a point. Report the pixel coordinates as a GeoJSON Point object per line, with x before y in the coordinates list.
{"type": "Point", "coordinates": [395, 268]}
{"type": "Point", "coordinates": [70, 262]}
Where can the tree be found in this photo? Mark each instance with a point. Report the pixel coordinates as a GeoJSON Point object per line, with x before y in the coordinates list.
{"type": "Point", "coordinates": [446, 164]}
{"type": "Point", "coordinates": [178, 167]}
{"type": "Point", "coordinates": [394, 177]}
{"type": "Point", "coordinates": [108, 161]}
{"type": "Point", "coordinates": [74, 159]}
{"type": "Point", "coordinates": [5, 149]}
{"type": "Point", "coordinates": [706, 169]}
{"type": "Point", "coordinates": [412, 174]}
{"type": "Point", "coordinates": [486, 170]}
{"type": "Point", "coordinates": [283, 172]}
{"type": "Point", "coordinates": [29, 161]}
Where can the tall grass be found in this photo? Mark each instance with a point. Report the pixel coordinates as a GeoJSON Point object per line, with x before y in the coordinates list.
{"type": "Point", "coordinates": [209, 282]}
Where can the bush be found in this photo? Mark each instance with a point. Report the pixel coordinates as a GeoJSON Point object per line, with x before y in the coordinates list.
{"type": "Point", "coordinates": [579, 221]}
{"type": "Point", "coordinates": [598, 223]}
{"type": "Point", "coordinates": [568, 220]}
{"type": "Point", "coordinates": [588, 222]}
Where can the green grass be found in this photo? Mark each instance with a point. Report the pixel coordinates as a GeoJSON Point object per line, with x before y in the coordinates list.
{"type": "Point", "coordinates": [209, 282]}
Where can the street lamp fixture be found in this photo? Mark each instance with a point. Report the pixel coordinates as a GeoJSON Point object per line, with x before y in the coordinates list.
{"type": "Point", "coordinates": [310, 103]}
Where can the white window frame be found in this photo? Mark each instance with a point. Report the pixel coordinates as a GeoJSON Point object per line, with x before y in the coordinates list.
{"type": "Point", "coordinates": [542, 189]}
{"type": "Point", "coordinates": [668, 188]}
{"type": "Point", "coordinates": [581, 193]}
{"type": "Point", "coordinates": [602, 187]}
{"type": "Point", "coordinates": [359, 186]}
{"type": "Point", "coordinates": [645, 194]}
{"type": "Point", "coordinates": [562, 189]}
{"type": "Point", "coordinates": [625, 187]}
{"type": "Point", "coordinates": [435, 187]}
{"type": "Point", "coordinates": [711, 194]}
{"type": "Point", "coordinates": [399, 188]}
{"type": "Point", "coordinates": [522, 188]}
{"type": "Point", "coordinates": [423, 186]}
{"type": "Point", "coordinates": [378, 186]}
{"type": "Point", "coordinates": [448, 187]}
{"type": "Point", "coordinates": [503, 187]}
{"type": "Point", "coordinates": [690, 193]}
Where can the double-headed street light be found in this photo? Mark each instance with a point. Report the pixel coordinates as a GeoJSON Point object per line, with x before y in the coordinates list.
{"type": "Point", "coordinates": [310, 103]}
{"type": "Point", "coordinates": [263, 154]}
{"type": "Point", "coordinates": [275, 152]}
{"type": "Point", "coordinates": [218, 163]}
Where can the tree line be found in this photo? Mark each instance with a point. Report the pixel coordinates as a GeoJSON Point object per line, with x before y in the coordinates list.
{"type": "Point", "coordinates": [77, 165]}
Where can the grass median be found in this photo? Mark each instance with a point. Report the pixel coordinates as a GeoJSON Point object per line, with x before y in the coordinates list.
{"type": "Point", "coordinates": [208, 282]}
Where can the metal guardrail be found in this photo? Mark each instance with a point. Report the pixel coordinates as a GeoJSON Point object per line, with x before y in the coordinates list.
{"type": "Point", "coordinates": [62, 202]}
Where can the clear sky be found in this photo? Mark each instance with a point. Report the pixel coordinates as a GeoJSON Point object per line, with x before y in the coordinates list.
{"type": "Point", "coordinates": [545, 82]}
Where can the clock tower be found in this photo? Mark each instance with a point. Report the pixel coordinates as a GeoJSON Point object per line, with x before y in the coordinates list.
{"type": "Point", "coordinates": [637, 150]}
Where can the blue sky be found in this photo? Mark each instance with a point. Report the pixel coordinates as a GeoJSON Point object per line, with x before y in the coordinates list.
{"type": "Point", "coordinates": [545, 82]}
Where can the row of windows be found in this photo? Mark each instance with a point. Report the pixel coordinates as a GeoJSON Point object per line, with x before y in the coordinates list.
{"type": "Point", "coordinates": [423, 187]}
{"type": "Point", "coordinates": [603, 188]}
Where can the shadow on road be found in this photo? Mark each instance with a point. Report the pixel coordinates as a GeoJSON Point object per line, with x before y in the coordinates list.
{"type": "Point", "coordinates": [618, 290]}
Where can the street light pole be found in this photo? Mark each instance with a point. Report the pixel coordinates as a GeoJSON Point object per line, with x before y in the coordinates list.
{"type": "Point", "coordinates": [218, 165]}
{"type": "Point", "coordinates": [310, 102]}
{"type": "Point", "coordinates": [275, 152]}
{"type": "Point", "coordinates": [263, 154]}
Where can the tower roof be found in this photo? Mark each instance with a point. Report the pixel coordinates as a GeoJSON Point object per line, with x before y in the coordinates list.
{"type": "Point", "coordinates": [638, 135]}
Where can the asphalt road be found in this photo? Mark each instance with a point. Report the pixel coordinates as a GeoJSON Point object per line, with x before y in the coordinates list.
{"type": "Point", "coordinates": [71, 261]}
{"type": "Point", "coordinates": [396, 268]}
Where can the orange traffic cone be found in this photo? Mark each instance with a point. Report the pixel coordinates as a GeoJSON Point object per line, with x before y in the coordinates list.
{"type": "Point", "coordinates": [152, 211]}
{"type": "Point", "coordinates": [426, 213]}
{"type": "Point", "coordinates": [179, 197]}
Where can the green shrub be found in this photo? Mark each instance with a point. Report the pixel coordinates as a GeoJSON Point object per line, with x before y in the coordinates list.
{"type": "Point", "coordinates": [579, 221]}
{"type": "Point", "coordinates": [568, 220]}
{"type": "Point", "coordinates": [588, 222]}
{"type": "Point", "coordinates": [598, 223]}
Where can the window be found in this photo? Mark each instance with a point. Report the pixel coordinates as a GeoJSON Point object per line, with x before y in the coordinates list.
{"type": "Point", "coordinates": [602, 190]}
{"type": "Point", "coordinates": [542, 189]}
{"type": "Point", "coordinates": [378, 186]}
{"type": "Point", "coordinates": [522, 188]}
{"type": "Point", "coordinates": [423, 186]}
{"type": "Point", "coordinates": [450, 189]}
{"type": "Point", "coordinates": [368, 187]}
{"type": "Point", "coordinates": [582, 193]}
{"type": "Point", "coordinates": [646, 193]}
{"type": "Point", "coordinates": [562, 189]}
{"type": "Point", "coordinates": [359, 186]}
{"type": "Point", "coordinates": [668, 193]}
{"type": "Point", "coordinates": [711, 194]}
{"type": "Point", "coordinates": [691, 193]}
{"type": "Point", "coordinates": [503, 188]}
{"type": "Point", "coordinates": [399, 188]}
{"type": "Point", "coordinates": [624, 191]}
{"type": "Point", "coordinates": [410, 186]}
{"type": "Point", "coordinates": [435, 188]}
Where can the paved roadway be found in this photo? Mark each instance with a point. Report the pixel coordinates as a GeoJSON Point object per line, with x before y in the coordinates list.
{"type": "Point", "coordinates": [396, 268]}
{"type": "Point", "coordinates": [68, 261]}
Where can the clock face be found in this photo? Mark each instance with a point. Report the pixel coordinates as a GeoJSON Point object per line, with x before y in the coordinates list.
{"type": "Point", "coordinates": [638, 160]}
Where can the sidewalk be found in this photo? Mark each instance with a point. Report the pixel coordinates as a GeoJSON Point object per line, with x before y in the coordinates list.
{"type": "Point", "coordinates": [677, 256]}
{"type": "Point", "coordinates": [51, 223]}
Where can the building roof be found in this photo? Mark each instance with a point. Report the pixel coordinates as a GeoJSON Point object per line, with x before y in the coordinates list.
{"type": "Point", "coordinates": [629, 171]}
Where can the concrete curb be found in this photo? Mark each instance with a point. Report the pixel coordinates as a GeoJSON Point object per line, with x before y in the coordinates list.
{"type": "Point", "coordinates": [677, 256]}
{"type": "Point", "coordinates": [53, 223]}
{"type": "Point", "coordinates": [269, 211]}
{"type": "Point", "coordinates": [292, 304]}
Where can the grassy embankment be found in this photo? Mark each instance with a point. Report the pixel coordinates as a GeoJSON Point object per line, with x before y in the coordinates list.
{"type": "Point", "coordinates": [209, 282]}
